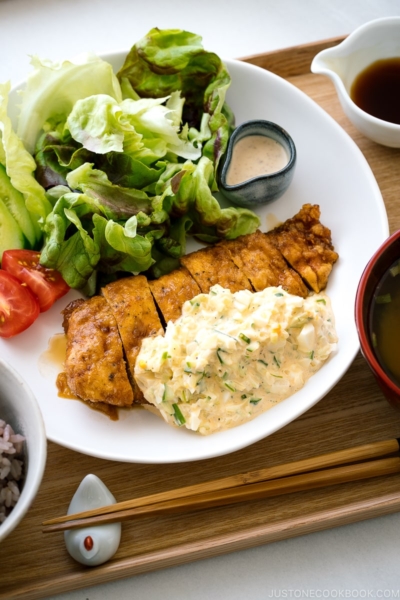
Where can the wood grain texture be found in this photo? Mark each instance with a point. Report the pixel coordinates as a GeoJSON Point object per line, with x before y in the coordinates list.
{"type": "Point", "coordinates": [323, 461]}
{"type": "Point", "coordinates": [243, 493]}
{"type": "Point", "coordinates": [35, 566]}
{"type": "Point", "coordinates": [291, 62]}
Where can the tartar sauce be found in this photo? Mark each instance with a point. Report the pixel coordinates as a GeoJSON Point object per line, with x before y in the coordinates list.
{"type": "Point", "coordinates": [255, 155]}
{"type": "Point", "coordinates": [232, 356]}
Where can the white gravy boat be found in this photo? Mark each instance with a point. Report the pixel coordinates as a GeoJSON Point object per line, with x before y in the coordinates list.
{"type": "Point", "coordinates": [371, 42]}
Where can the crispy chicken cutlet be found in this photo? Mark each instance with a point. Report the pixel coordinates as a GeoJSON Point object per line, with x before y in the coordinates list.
{"type": "Point", "coordinates": [171, 291]}
{"type": "Point", "coordinates": [94, 365]}
{"type": "Point", "coordinates": [136, 315]}
{"type": "Point", "coordinates": [307, 246]}
{"type": "Point", "coordinates": [263, 264]}
{"type": "Point", "coordinates": [105, 333]}
{"type": "Point", "coordinates": [214, 265]}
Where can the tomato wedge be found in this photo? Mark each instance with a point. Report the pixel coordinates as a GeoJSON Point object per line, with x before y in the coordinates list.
{"type": "Point", "coordinates": [19, 308]}
{"type": "Point", "coordinates": [46, 284]}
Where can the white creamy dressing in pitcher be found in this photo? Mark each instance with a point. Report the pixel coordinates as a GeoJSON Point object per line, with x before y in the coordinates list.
{"type": "Point", "coordinates": [255, 155]}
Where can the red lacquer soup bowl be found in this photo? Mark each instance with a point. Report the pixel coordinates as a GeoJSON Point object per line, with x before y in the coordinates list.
{"type": "Point", "coordinates": [383, 259]}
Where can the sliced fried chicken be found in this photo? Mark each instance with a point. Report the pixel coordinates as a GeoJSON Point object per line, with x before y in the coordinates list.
{"type": "Point", "coordinates": [307, 246]}
{"type": "Point", "coordinates": [104, 333]}
{"type": "Point", "coordinates": [171, 291]}
{"type": "Point", "coordinates": [264, 264]}
{"type": "Point", "coordinates": [214, 265]}
{"type": "Point", "coordinates": [94, 365]}
{"type": "Point", "coordinates": [136, 315]}
{"type": "Point", "coordinates": [68, 310]}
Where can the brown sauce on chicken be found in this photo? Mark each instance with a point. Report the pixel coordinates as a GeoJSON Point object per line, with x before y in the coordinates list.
{"type": "Point", "coordinates": [105, 333]}
{"type": "Point", "coordinates": [64, 391]}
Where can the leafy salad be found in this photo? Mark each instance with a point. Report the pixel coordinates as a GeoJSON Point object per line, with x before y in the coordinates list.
{"type": "Point", "coordinates": [108, 173]}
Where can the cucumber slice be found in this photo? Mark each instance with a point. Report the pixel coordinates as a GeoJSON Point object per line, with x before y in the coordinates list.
{"type": "Point", "coordinates": [15, 203]}
{"type": "Point", "coordinates": [11, 236]}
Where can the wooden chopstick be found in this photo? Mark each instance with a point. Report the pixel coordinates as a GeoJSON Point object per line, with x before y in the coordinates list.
{"type": "Point", "coordinates": [241, 487]}
{"type": "Point", "coordinates": [348, 455]}
{"type": "Point", "coordinates": [255, 491]}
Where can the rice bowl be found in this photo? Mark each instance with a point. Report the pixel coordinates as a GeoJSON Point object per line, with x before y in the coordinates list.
{"type": "Point", "coordinates": [20, 413]}
{"type": "Point", "coordinates": [11, 468]}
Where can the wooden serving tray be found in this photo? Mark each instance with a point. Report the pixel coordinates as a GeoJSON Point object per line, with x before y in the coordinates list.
{"type": "Point", "coordinates": [34, 565]}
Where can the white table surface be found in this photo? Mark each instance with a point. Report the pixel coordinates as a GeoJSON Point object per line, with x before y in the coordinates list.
{"type": "Point", "coordinates": [356, 561]}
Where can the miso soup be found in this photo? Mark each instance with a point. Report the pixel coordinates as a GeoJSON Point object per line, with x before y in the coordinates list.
{"type": "Point", "coordinates": [385, 322]}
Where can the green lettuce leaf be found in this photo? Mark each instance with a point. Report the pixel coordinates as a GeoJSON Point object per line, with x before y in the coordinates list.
{"type": "Point", "coordinates": [114, 201]}
{"type": "Point", "coordinates": [53, 89]}
{"type": "Point", "coordinates": [135, 127]}
{"type": "Point", "coordinates": [168, 61]}
{"type": "Point", "coordinates": [80, 238]}
{"type": "Point", "coordinates": [126, 171]}
{"type": "Point", "coordinates": [129, 162]}
{"type": "Point", "coordinates": [20, 167]}
{"type": "Point", "coordinates": [56, 157]}
{"type": "Point", "coordinates": [69, 248]}
{"type": "Point", "coordinates": [192, 195]}
{"type": "Point", "coordinates": [167, 250]}
{"type": "Point", "coordinates": [50, 170]}
{"type": "Point", "coordinates": [137, 249]}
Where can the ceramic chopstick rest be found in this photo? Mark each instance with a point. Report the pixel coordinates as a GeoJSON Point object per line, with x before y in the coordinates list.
{"type": "Point", "coordinates": [94, 545]}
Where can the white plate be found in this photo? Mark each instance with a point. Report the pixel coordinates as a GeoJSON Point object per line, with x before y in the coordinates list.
{"type": "Point", "coordinates": [332, 172]}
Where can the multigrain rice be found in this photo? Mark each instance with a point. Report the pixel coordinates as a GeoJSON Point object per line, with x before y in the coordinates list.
{"type": "Point", "coordinates": [11, 468]}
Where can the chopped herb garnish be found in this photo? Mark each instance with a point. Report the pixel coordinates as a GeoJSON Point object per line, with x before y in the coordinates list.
{"type": "Point", "coordinates": [276, 361]}
{"type": "Point", "coordinates": [277, 294]}
{"type": "Point", "coordinates": [256, 400]}
{"type": "Point", "coordinates": [311, 354]}
{"type": "Point", "coordinates": [165, 355]}
{"type": "Point", "coordinates": [385, 299]}
{"type": "Point", "coordinates": [193, 303]}
{"type": "Point", "coordinates": [277, 376]}
{"type": "Point", "coordinates": [219, 356]}
{"type": "Point", "coordinates": [188, 368]}
{"type": "Point", "coordinates": [263, 362]}
{"type": "Point", "coordinates": [179, 418]}
{"type": "Point", "coordinates": [229, 386]}
{"type": "Point", "coordinates": [243, 396]}
{"type": "Point", "coordinates": [322, 300]}
{"type": "Point", "coordinates": [168, 394]}
{"type": "Point", "coordinates": [395, 270]}
{"type": "Point", "coordinates": [227, 334]}
{"type": "Point", "coordinates": [244, 338]}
